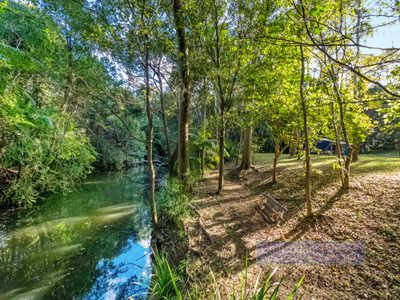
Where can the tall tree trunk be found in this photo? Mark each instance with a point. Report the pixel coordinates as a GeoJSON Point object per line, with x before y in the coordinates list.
{"type": "Point", "coordinates": [246, 153]}
{"type": "Point", "coordinates": [337, 139]}
{"type": "Point", "coordinates": [221, 130]}
{"type": "Point", "coordinates": [69, 79]}
{"type": "Point", "coordinates": [307, 186]}
{"type": "Point", "coordinates": [150, 134]}
{"type": "Point", "coordinates": [185, 102]}
{"type": "Point", "coordinates": [347, 158]}
{"type": "Point", "coordinates": [164, 120]}
{"type": "Point", "coordinates": [356, 145]}
{"type": "Point", "coordinates": [221, 140]}
{"type": "Point", "coordinates": [203, 148]}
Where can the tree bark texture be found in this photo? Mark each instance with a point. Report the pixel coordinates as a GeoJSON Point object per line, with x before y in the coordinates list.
{"type": "Point", "coordinates": [307, 185]}
{"type": "Point", "coordinates": [183, 157]}
{"type": "Point", "coordinates": [246, 153]}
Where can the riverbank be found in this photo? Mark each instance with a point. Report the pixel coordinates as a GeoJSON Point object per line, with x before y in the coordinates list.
{"type": "Point", "coordinates": [228, 228]}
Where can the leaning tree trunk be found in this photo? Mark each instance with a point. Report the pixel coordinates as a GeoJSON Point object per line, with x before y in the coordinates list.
{"type": "Point", "coordinates": [149, 144]}
{"type": "Point", "coordinates": [185, 102]}
{"type": "Point", "coordinates": [307, 186]}
{"type": "Point", "coordinates": [246, 153]}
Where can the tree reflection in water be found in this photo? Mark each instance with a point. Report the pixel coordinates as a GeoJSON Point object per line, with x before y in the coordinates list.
{"type": "Point", "coordinates": [124, 275]}
{"type": "Point", "coordinates": [90, 244]}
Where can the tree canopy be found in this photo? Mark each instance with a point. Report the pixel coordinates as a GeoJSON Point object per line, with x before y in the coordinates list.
{"type": "Point", "coordinates": [101, 83]}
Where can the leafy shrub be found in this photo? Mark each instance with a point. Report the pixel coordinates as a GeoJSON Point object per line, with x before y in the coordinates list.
{"type": "Point", "coordinates": [45, 151]}
{"type": "Point", "coordinates": [173, 202]}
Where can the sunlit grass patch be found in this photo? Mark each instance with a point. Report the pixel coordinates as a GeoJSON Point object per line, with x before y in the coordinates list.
{"type": "Point", "coordinates": [367, 163]}
{"type": "Point", "coordinates": [374, 163]}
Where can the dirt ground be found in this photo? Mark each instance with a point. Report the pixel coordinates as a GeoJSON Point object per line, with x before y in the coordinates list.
{"type": "Point", "coordinates": [368, 213]}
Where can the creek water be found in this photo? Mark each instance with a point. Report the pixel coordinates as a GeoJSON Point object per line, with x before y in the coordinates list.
{"type": "Point", "coordinates": [92, 243]}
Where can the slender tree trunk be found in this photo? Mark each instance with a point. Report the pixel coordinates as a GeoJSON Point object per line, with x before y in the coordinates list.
{"type": "Point", "coordinates": [185, 102]}
{"type": "Point", "coordinates": [68, 86]}
{"type": "Point", "coordinates": [337, 139]}
{"type": "Point", "coordinates": [203, 161]}
{"type": "Point", "coordinates": [299, 145]}
{"type": "Point", "coordinates": [307, 186]}
{"type": "Point", "coordinates": [239, 148]}
{"type": "Point", "coordinates": [203, 148]}
{"type": "Point", "coordinates": [164, 120]}
{"type": "Point", "coordinates": [347, 159]}
{"type": "Point", "coordinates": [276, 157]}
{"type": "Point", "coordinates": [246, 153]}
{"type": "Point", "coordinates": [356, 145]}
{"type": "Point", "coordinates": [221, 139]}
{"type": "Point", "coordinates": [221, 130]}
{"type": "Point", "coordinates": [149, 144]}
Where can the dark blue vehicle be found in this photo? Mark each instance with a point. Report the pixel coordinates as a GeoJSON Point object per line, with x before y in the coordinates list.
{"type": "Point", "coordinates": [327, 146]}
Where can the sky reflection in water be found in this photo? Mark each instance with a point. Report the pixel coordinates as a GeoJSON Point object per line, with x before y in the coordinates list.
{"type": "Point", "coordinates": [93, 243]}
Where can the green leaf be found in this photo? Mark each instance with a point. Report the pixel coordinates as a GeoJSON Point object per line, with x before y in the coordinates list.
{"type": "Point", "coordinates": [315, 12]}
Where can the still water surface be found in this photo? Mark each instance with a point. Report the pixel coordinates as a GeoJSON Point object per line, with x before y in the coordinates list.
{"type": "Point", "coordinates": [93, 243]}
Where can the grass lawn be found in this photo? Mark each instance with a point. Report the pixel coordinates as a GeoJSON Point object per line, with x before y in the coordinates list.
{"type": "Point", "coordinates": [388, 162]}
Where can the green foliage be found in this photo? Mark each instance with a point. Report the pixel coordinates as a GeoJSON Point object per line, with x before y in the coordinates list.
{"type": "Point", "coordinates": [59, 107]}
{"type": "Point", "coordinates": [203, 140]}
{"type": "Point", "coordinates": [173, 202]}
{"type": "Point", "coordinates": [391, 122]}
{"type": "Point", "coordinates": [45, 151]}
{"type": "Point", "coordinates": [167, 282]}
